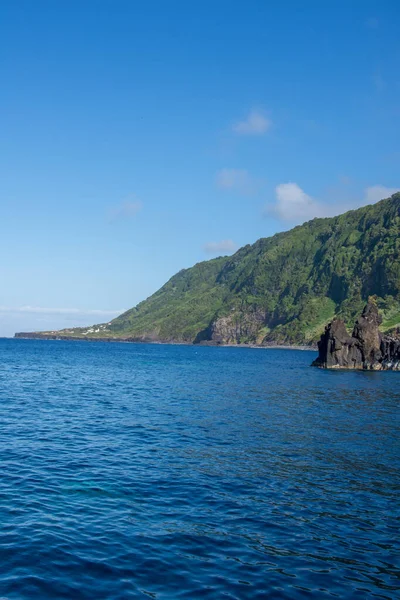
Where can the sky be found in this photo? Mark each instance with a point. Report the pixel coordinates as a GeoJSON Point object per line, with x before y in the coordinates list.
{"type": "Point", "coordinates": [140, 137]}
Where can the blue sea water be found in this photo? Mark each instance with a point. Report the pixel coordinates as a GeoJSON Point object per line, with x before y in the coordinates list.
{"type": "Point", "coordinates": [180, 472]}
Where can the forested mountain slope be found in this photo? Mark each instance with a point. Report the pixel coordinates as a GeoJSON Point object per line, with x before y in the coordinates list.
{"type": "Point", "coordinates": [280, 289]}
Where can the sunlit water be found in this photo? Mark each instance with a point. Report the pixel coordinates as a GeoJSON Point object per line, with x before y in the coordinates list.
{"type": "Point", "coordinates": [171, 472]}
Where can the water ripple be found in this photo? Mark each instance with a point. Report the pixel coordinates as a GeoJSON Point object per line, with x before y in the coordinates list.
{"type": "Point", "coordinates": [167, 472]}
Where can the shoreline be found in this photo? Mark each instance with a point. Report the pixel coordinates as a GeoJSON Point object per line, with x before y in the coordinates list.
{"type": "Point", "coordinates": [34, 336]}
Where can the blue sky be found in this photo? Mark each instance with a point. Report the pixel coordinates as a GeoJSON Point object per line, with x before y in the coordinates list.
{"type": "Point", "coordinates": [138, 138]}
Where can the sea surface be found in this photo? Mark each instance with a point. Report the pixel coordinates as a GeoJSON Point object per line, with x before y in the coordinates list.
{"type": "Point", "coordinates": [184, 472]}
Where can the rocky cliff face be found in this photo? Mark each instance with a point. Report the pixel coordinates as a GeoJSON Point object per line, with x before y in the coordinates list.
{"type": "Point", "coordinates": [366, 348]}
{"type": "Point", "coordinates": [238, 327]}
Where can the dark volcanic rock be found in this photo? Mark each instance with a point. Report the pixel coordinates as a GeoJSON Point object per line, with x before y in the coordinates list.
{"type": "Point", "coordinates": [390, 349]}
{"type": "Point", "coordinates": [337, 349]}
{"type": "Point", "coordinates": [366, 331]}
{"type": "Point", "coordinates": [366, 348]}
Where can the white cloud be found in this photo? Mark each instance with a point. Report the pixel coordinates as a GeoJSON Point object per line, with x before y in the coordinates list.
{"type": "Point", "coordinates": [126, 209]}
{"type": "Point", "coordinates": [59, 311]}
{"type": "Point", "coordinates": [225, 246]}
{"type": "Point", "coordinates": [256, 123]}
{"type": "Point", "coordinates": [238, 180]}
{"type": "Point", "coordinates": [294, 205]}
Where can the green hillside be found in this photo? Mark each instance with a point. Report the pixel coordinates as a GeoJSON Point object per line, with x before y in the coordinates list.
{"type": "Point", "coordinates": [281, 289]}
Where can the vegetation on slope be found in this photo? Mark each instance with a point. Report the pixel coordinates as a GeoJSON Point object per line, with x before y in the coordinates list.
{"type": "Point", "coordinates": [296, 280]}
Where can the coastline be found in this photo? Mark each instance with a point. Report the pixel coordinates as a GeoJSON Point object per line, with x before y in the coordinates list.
{"type": "Point", "coordinates": [51, 337]}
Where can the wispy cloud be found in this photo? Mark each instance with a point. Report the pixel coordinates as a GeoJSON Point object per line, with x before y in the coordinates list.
{"type": "Point", "coordinates": [60, 311]}
{"type": "Point", "coordinates": [237, 180]}
{"type": "Point", "coordinates": [372, 23]}
{"type": "Point", "coordinates": [256, 123]}
{"type": "Point", "coordinates": [225, 246]}
{"type": "Point", "coordinates": [375, 193]}
{"type": "Point", "coordinates": [378, 82]}
{"type": "Point", "coordinates": [294, 205]}
{"type": "Point", "coordinates": [128, 208]}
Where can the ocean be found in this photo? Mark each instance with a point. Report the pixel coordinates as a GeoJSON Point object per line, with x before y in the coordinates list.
{"type": "Point", "coordinates": [185, 472]}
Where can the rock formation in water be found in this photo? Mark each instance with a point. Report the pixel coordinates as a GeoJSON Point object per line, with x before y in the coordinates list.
{"type": "Point", "coordinates": [366, 348]}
